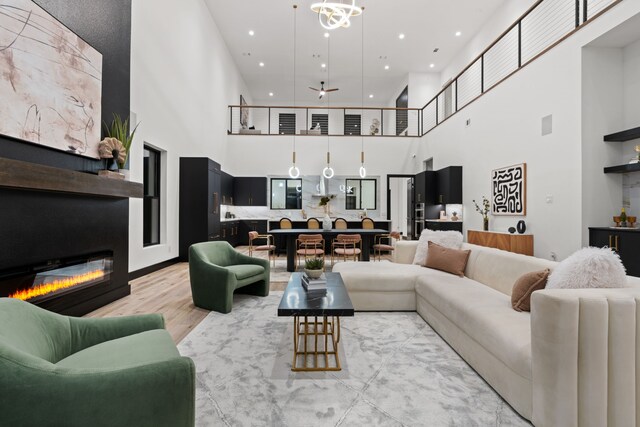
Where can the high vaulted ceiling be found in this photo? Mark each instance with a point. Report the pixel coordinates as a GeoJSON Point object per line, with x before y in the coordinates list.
{"type": "Point", "coordinates": [426, 24]}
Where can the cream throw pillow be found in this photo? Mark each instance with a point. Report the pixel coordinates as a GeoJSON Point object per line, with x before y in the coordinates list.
{"type": "Point", "coordinates": [589, 268]}
{"type": "Point", "coordinates": [448, 239]}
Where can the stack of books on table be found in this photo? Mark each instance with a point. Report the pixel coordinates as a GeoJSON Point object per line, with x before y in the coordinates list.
{"type": "Point", "coordinates": [314, 285]}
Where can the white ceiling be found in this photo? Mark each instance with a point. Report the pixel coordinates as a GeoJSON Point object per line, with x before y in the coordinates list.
{"type": "Point", "coordinates": [427, 24]}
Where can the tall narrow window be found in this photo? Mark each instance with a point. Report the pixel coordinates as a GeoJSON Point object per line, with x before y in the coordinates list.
{"type": "Point", "coordinates": [322, 120]}
{"type": "Point", "coordinates": [287, 123]}
{"type": "Point", "coordinates": [402, 116]}
{"type": "Point", "coordinates": [352, 123]}
{"type": "Point", "coordinates": [151, 196]}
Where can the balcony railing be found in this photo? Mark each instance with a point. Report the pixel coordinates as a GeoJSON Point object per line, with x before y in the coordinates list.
{"type": "Point", "coordinates": [539, 29]}
{"type": "Point", "coordinates": [333, 121]}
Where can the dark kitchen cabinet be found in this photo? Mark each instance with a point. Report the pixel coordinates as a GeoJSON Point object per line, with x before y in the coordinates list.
{"type": "Point", "coordinates": [420, 187]}
{"type": "Point", "coordinates": [444, 225]}
{"type": "Point", "coordinates": [626, 242]}
{"type": "Point", "coordinates": [250, 191]}
{"type": "Point", "coordinates": [425, 187]}
{"type": "Point", "coordinates": [449, 186]}
{"type": "Point", "coordinates": [230, 232]}
{"type": "Point", "coordinates": [226, 188]}
{"type": "Point", "coordinates": [200, 180]}
{"type": "Point", "coordinates": [247, 225]}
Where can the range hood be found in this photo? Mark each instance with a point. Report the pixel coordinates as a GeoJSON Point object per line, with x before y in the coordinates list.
{"type": "Point", "coordinates": [322, 189]}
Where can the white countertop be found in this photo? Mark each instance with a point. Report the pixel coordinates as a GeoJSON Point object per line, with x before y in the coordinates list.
{"type": "Point", "coordinates": [441, 220]}
{"type": "Point", "coordinates": [243, 219]}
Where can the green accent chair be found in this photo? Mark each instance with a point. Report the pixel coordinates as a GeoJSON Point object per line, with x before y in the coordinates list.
{"type": "Point", "coordinates": [64, 371]}
{"type": "Point", "coordinates": [217, 270]}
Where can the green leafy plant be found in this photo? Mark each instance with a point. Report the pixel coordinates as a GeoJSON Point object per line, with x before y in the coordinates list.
{"type": "Point", "coordinates": [325, 199]}
{"type": "Point", "coordinates": [120, 130]}
{"type": "Point", "coordinates": [484, 210]}
{"type": "Point", "coordinates": [314, 264]}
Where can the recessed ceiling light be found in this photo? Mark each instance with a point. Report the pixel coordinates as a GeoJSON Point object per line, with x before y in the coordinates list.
{"type": "Point", "coordinates": [326, 35]}
{"type": "Point", "coordinates": [261, 64]}
{"type": "Point", "coordinates": [371, 96]}
{"type": "Point", "coordinates": [432, 65]}
{"type": "Point", "coordinates": [270, 93]}
{"type": "Point", "coordinates": [251, 32]}
{"type": "Point", "coordinates": [401, 36]}
{"type": "Point", "coordinates": [323, 65]}
{"type": "Point", "coordinates": [386, 67]}
{"type": "Point", "coordinates": [458, 33]}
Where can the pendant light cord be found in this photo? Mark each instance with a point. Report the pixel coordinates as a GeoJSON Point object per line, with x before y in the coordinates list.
{"type": "Point", "coordinates": [295, 38]}
{"type": "Point", "coordinates": [362, 82]}
{"type": "Point", "coordinates": [328, 86]}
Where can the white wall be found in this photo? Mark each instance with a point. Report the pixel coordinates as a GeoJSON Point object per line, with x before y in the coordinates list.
{"type": "Point", "coordinates": [506, 129]}
{"type": "Point", "coordinates": [504, 16]}
{"type": "Point", "coordinates": [272, 156]}
{"type": "Point", "coordinates": [631, 89]}
{"type": "Point", "coordinates": [631, 62]}
{"type": "Point", "coordinates": [182, 79]}
{"type": "Point", "coordinates": [602, 114]}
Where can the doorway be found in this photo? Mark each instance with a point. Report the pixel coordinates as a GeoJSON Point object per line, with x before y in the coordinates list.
{"type": "Point", "coordinates": [400, 204]}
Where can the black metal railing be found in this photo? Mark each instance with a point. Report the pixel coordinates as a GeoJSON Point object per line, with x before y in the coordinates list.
{"type": "Point", "coordinates": [544, 25]}
{"type": "Point", "coordinates": [332, 121]}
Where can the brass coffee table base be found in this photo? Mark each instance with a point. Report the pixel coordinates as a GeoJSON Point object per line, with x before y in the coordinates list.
{"type": "Point", "coordinates": [324, 331]}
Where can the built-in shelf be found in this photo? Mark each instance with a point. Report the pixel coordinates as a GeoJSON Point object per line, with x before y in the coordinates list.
{"type": "Point", "coordinates": [625, 135]}
{"type": "Point", "coordinates": [31, 176]}
{"type": "Point", "coordinates": [631, 167]}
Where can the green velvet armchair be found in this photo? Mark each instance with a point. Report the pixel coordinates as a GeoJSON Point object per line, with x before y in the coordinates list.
{"type": "Point", "coordinates": [63, 371]}
{"type": "Point", "coordinates": [217, 270]}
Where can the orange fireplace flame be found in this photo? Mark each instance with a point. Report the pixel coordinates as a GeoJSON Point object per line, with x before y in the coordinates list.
{"type": "Point", "coordinates": [57, 285]}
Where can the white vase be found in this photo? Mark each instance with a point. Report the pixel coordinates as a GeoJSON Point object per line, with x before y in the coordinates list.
{"type": "Point", "coordinates": [326, 222]}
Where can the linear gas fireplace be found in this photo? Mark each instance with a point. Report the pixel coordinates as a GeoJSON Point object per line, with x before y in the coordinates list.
{"type": "Point", "coordinates": [55, 279]}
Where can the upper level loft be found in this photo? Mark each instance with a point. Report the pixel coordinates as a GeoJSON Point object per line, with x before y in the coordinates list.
{"type": "Point", "coordinates": [332, 121]}
{"type": "Point", "coordinates": [544, 25]}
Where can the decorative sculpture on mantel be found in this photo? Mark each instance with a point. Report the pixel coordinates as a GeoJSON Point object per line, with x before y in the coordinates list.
{"type": "Point", "coordinates": [114, 152]}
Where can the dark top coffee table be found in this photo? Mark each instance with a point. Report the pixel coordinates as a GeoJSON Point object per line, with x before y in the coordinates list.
{"type": "Point", "coordinates": [329, 307]}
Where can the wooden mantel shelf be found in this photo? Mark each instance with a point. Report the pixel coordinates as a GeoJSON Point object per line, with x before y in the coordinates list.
{"type": "Point", "coordinates": [17, 174]}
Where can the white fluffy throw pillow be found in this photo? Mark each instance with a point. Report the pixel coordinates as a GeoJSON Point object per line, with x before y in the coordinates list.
{"type": "Point", "coordinates": [448, 239]}
{"type": "Point", "coordinates": [589, 268]}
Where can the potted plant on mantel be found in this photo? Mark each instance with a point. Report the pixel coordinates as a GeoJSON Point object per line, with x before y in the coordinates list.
{"type": "Point", "coordinates": [119, 130]}
{"type": "Point", "coordinates": [314, 267]}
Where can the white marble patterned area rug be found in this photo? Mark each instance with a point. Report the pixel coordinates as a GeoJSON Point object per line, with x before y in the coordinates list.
{"type": "Point", "coordinates": [396, 372]}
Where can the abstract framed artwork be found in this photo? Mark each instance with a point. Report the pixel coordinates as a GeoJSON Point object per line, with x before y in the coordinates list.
{"type": "Point", "coordinates": [509, 190]}
{"type": "Point", "coordinates": [244, 114]}
{"type": "Point", "coordinates": [50, 81]}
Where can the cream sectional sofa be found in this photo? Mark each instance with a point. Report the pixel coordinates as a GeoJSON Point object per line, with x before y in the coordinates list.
{"type": "Point", "coordinates": [574, 361]}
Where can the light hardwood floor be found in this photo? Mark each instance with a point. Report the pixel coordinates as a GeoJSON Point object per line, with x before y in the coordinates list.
{"type": "Point", "coordinates": [165, 291]}
{"type": "Point", "coordinates": [168, 292]}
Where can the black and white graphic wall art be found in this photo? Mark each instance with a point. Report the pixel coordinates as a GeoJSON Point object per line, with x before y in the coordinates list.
{"type": "Point", "coordinates": [509, 190]}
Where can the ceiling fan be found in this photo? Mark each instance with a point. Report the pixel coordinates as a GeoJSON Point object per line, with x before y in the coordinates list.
{"type": "Point", "coordinates": [322, 91]}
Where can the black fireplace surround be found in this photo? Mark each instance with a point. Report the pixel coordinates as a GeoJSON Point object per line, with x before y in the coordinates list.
{"type": "Point", "coordinates": [36, 226]}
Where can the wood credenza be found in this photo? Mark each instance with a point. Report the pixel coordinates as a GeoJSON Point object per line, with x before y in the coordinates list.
{"type": "Point", "coordinates": [517, 243]}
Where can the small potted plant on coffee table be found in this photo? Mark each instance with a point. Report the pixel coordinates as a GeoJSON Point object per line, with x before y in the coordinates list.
{"type": "Point", "coordinates": [314, 267]}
